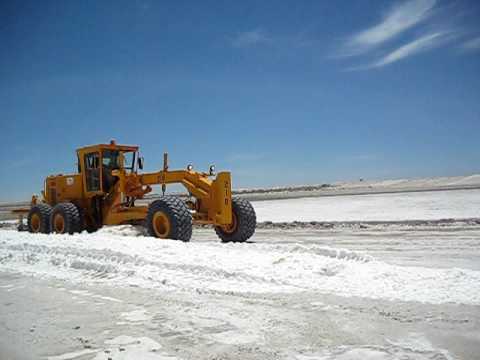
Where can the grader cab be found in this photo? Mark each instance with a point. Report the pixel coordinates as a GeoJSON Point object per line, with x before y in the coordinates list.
{"type": "Point", "coordinates": [108, 190]}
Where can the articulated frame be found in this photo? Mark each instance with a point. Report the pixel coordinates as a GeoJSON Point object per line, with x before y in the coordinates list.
{"type": "Point", "coordinates": [213, 198]}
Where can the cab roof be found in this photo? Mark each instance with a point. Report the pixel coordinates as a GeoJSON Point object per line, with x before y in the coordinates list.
{"type": "Point", "coordinates": [111, 146]}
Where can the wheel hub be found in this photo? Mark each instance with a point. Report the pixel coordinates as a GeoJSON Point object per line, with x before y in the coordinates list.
{"type": "Point", "coordinates": [35, 223]}
{"type": "Point", "coordinates": [59, 224]}
{"type": "Point", "coordinates": [229, 229]}
{"type": "Point", "coordinates": [161, 225]}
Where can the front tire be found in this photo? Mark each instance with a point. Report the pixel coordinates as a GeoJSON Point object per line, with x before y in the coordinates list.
{"type": "Point", "coordinates": [244, 222]}
{"type": "Point", "coordinates": [38, 220]}
{"type": "Point", "coordinates": [169, 218]}
{"type": "Point", "coordinates": [65, 219]}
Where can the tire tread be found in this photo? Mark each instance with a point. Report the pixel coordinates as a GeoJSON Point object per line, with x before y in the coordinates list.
{"type": "Point", "coordinates": [71, 214]}
{"type": "Point", "coordinates": [247, 222]}
{"type": "Point", "coordinates": [179, 214]}
{"type": "Point", "coordinates": [45, 211]}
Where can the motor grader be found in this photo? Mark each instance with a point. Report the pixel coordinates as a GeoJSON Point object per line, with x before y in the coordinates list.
{"type": "Point", "coordinates": [107, 189]}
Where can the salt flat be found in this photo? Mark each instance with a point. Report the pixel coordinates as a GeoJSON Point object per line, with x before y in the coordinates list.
{"type": "Point", "coordinates": [374, 207]}
{"type": "Point", "coordinates": [367, 289]}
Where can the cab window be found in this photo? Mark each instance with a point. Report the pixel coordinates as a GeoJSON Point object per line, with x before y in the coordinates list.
{"type": "Point", "coordinates": [92, 173]}
{"type": "Point", "coordinates": [110, 159]}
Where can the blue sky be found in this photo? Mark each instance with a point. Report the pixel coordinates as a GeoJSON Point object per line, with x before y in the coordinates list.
{"type": "Point", "coordinates": [278, 92]}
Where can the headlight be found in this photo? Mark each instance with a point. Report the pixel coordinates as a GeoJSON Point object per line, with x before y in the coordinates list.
{"type": "Point", "coordinates": [189, 167]}
{"type": "Point", "coordinates": [212, 169]}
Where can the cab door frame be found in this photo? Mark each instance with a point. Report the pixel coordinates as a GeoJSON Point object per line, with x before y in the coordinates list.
{"type": "Point", "coordinates": [82, 155]}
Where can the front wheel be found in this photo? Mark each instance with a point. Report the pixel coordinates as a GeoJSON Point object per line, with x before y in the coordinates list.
{"type": "Point", "coordinates": [244, 222]}
{"type": "Point", "coordinates": [169, 218]}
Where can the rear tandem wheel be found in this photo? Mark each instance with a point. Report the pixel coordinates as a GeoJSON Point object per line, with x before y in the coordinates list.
{"type": "Point", "coordinates": [38, 220]}
{"type": "Point", "coordinates": [65, 219]}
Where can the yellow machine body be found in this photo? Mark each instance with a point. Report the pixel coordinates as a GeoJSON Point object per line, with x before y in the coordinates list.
{"type": "Point", "coordinates": [106, 193]}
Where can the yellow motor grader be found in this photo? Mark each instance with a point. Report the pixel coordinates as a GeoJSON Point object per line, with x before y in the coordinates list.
{"type": "Point", "coordinates": [108, 185]}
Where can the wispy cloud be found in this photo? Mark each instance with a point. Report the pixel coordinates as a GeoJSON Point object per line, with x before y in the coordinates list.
{"type": "Point", "coordinates": [421, 44]}
{"type": "Point", "coordinates": [250, 38]}
{"type": "Point", "coordinates": [472, 44]}
{"type": "Point", "coordinates": [397, 20]}
{"type": "Point", "coordinates": [430, 27]}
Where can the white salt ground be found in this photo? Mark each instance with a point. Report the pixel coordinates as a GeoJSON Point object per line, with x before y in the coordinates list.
{"type": "Point", "coordinates": [213, 266]}
{"type": "Point", "coordinates": [431, 205]}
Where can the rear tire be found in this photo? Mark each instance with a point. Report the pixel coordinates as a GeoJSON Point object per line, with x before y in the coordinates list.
{"type": "Point", "coordinates": [38, 220]}
{"type": "Point", "coordinates": [243, 224]}
{"type": "Point", "coordinates": [65, 219]}
{"type": "Point", "coordinates": [81, 222]}
{"type": "Point", "coordinates": [169, 218]}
